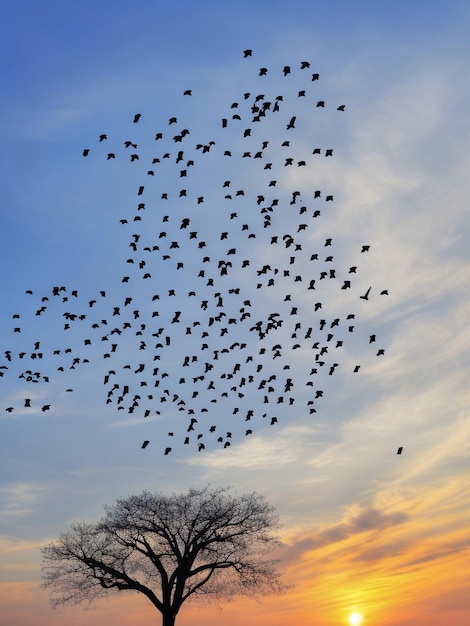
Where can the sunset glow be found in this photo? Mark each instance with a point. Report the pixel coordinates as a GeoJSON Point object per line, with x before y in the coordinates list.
{"type": "Point", "coordinates": [366, 461]}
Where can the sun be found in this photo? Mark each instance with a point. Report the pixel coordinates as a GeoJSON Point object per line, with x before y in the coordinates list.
{"type": "Point", "coordinates": [355, 619]}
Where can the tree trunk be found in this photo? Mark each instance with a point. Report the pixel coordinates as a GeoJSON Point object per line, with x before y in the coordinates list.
{"type": "Point", "coordinates": [168, 619]}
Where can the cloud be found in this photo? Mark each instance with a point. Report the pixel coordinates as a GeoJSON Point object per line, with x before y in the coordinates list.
{"type": "Point", "coordinates": [458, 546]}
{"type": "Point", "coordinates": [259, 450]}
{"type": "Point", "coordinates": [134, 421]}
{"type": "Point", "coordinates": [360, 520]}
{"type": "Point", "coordinates": [20, 498]}
{"type": "Point", "coordinates": [19, 559]}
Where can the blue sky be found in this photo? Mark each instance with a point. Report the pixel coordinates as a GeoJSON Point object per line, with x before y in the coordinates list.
{"type": "Point", "coordinates": [399, 176]}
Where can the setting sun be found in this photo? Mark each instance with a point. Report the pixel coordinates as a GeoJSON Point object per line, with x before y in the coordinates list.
{"type": "Point", "coordinates": [355, 619]}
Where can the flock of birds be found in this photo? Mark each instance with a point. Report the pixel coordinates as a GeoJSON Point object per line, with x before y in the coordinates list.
{"type": "Point", "coordinates": [223, 318]}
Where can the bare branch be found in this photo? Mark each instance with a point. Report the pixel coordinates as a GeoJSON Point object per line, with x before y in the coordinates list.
{"type": "Point", "coordinates": [206, 543]}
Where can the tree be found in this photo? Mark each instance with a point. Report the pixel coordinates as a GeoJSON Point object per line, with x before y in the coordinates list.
{"type": "Point", "coordinates": [206, 542]}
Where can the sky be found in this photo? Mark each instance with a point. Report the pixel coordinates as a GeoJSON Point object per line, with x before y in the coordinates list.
{"type": "Point", "coordinates": [365, 530]}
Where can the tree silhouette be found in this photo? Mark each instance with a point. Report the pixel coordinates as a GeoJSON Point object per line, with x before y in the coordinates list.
{"type": "Point", "coordinates": [205, 542]}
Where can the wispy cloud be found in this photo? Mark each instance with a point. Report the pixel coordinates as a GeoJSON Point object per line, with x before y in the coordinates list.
{"type": "Point", "coordinates": [20, 498]}
{"type": "Point", "coordinates": [260, 450]}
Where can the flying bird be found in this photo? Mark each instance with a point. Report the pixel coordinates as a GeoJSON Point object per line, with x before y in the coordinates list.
{"type": "Point", "coordinates": [291, 123]}
{"type": "Point", "coordinates": [365, 296]}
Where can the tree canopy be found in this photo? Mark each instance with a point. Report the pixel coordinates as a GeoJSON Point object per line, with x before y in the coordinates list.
{"type": "Point", "coordinates": [203, 543]}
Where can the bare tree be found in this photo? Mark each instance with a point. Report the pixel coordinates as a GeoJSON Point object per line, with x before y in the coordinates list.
{"type": "Point", "coordinates": [206, 542]}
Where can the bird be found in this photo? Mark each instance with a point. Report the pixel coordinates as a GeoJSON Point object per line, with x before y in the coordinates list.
{"type": "Point", "coordinates": [291, 123]}
{"type": "Point", "coordinates": [400, 450]}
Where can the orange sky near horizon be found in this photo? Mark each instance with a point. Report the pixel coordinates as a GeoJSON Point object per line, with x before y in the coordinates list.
{"type": "Point", "coordinates": [390, 562]}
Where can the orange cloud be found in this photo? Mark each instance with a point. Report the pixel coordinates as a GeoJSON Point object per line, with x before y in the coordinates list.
{"type": "Point", "coordinates": [398, 566]}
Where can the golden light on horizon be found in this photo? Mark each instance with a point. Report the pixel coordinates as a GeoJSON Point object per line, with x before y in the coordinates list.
{"type": "Point", "coordinates": [355, 619]}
